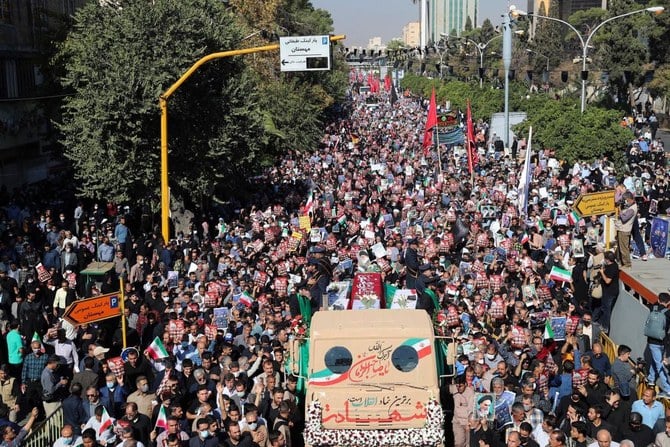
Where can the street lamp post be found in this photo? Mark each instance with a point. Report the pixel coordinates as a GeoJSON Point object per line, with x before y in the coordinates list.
{"type": "Point", "coordinates": [585, 43]}
{"type": "Point", "coordinates": [507, 62]}
{"type": "Point", "coordinates": [528, 50]}
{"type": "Point", "coordinates": [480, 48]}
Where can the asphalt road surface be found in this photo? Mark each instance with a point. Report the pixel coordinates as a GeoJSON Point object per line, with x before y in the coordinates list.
{"type": "Point", "coordinates": [664, 135]}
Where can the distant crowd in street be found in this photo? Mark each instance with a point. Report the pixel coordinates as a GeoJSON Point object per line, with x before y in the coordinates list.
{"type": "Point", "coordinates": [490, 269]}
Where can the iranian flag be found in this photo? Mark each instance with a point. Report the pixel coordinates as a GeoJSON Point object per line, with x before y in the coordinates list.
{"type": "Point", "coordinates": [342, 220]}
{"type": "Point", "coordinates": [573, 217]}
{"type": "Point", "coordinates": [525, 239]}
{"type": "Point", "coordinates": [156, 350]}
{"type": "Point", "coordinates": [246, 299]}
{"type": "Point", "coordinates": [420, 345]}
{"type": "Point", "coordinates": [326, 377]}
{"type": "Point", "coordinates": [380, 221]}
{"type": "Point", "coordinates": [161, 421]}
{"type": "Point", "coordinates": [309, 204]}
{"type": "Point", "coordinates": [105, 422]}
{"type": "Point", "coordinates": [560, 274]}
{"type": "Point", "coordinates": [548, 330]}
{"type": "Point", "coordinates": [540, 224]}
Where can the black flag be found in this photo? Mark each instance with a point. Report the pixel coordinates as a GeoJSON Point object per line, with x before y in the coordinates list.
{"type": "Point", "coordinates": [394, 95]}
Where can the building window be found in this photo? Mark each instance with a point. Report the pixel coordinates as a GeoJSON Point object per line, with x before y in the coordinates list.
{"type": "Point", "coordinates": [25, 78]}
{"type": "Point", "coordinates": [5, 11]}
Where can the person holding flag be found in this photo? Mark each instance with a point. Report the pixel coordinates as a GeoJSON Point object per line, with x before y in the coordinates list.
{"type": "Point", "coordinates": [169, 425]}
{"type": "Point", "coordinates": [101, 423]}
{"type": "Point", "coordinates": [431, 122]}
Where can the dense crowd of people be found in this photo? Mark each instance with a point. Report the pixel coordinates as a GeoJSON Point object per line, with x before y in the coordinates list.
{"type": "Point", "coordinates": [484, 263]}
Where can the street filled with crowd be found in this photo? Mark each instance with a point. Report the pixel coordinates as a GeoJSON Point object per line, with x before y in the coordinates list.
{"type": "Point", "coordinates": [504, 265]}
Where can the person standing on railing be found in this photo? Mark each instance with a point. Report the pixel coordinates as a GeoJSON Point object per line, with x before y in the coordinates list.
{"type": "Point", "coordinates": [10, 438]}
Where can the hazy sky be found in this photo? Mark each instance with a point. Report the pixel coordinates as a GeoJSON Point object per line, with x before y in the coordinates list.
{"type": "Point", "coordinates": [362, 19]}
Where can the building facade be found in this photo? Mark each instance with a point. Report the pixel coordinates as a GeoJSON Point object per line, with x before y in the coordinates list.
{"type": "Point", "coordinates": [450, 17]}
{"type": "Point", "coordinates": [27, 30]}
{"type": "Point", "coordinates": [411, 34]}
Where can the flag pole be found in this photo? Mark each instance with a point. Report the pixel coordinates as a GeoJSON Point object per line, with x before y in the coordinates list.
{"type": "Point", "coordinates": [122, 298]}
{"type": "Point", "coordinates": [436, 137]}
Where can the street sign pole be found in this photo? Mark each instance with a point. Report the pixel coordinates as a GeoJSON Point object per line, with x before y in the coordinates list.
{"type": "Point", "coordinates": [122, 296]}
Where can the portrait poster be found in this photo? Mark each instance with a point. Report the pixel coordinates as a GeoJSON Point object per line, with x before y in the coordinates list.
{"type": "Point", "coordinates": [659, 237]}
{"type": "Point", "coordinates": [558, 325]}
{"type": "Point", "coordinates": [484, 406]}
{"type": "Point", "coordinates": [221, 317]}
{"type": "Point", "coordinates": [503, 414]}
{"type": "Point", "coordinates": [577, 248]}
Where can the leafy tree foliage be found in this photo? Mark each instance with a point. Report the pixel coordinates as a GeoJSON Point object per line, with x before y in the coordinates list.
{"type": "Point", "coordinates": [118, 62]}
{"type": "Point", "coordinates": [575, 136]}
{"type": "Point", "coordinates": [622, 46]}
{"type": "Point", "coordinates": [468, 24]}
{"type": "Point", "coordinates": [547, 42]}
{"type": "Point", "coordinates": [557, 124]}
{"type": "Point", "coordinates": [225, 121]}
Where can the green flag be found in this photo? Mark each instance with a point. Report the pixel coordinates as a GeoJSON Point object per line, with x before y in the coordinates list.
{"type": "Point", "coordinates": [389, 293]}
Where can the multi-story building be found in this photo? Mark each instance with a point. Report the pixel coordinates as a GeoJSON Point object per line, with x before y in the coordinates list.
{"type": "Point", "coordinates": [26, 32]}
{"type": "Point", "coordinates": [450, 16]}
{"type": "Point", "coordinates": [411, 34]}
{"type": "Point", "coordinates": [565, 7]}
{"type": "Point", "coordinates": [375, 44]}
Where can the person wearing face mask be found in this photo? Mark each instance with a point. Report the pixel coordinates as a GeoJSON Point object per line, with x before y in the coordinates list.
{"type": "Point", "coordinates": [202, 437]}
{"type": "Point", "coordinates": [254, 425]}
{"type": "Point", "coordinates": [590, 332]}
{"type": "Point", "coordinates": [142, 397]}
{"type": "Point", "coordinates": [636, 431]}
{"type": "Point", "coordinates": [526, 435]}
{"type": "Point", "coordinates": [183, 351]}
{"type": "Point", "coordinates": [113, 394]}
{"type": "Point", "coordinates": [138, 272]}
{"type": "Point", "coordinates": [492, 357]}
{"type": "Point", "coordinates": [69, 260]}
{"type": "Point", "coordinates": [67, 437]}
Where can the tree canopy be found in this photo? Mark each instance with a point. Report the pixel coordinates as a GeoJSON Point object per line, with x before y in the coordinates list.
{"type": "Point", "coordinates": [229, 118]}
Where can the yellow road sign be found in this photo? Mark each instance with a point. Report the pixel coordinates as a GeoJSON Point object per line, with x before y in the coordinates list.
{"type": "Point", "coordinates": [595, 203]}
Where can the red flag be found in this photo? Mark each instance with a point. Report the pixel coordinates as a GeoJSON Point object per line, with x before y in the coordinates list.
{"type": "Point", "coordinates": [472, 149]}
{"type": "Point", "coordinates": [387, 82]}
{"type": "Point", "coordinates": [431, 122]}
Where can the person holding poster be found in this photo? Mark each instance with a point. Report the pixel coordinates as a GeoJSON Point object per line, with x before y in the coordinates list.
{"type": "Point", "coordinates": [483, 408]}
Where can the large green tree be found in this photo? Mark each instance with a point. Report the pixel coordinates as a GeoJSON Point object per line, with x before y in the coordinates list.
{"type": "Point", "coordinates": [118, 62]}
{"type": "Point", "coordinates": [231, 117]}
{"type": "Point", "coordinates": [622, 47]}
{"type": "Point", "coordinates": [576, 136]}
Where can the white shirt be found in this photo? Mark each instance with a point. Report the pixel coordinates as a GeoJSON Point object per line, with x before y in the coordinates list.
{"type": "Point", "coordinates": [612, 444]}
{"type": "Point", "coordinates": [540, 436]}
{"type": "Point", "coordinates": [107, 436]}
{"type": "Point", "coordinates": [67, 350]}
{"type": "Point", "coordinates": [61, 443]}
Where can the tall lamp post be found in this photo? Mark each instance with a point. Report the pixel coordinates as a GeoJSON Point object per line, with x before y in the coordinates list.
{"type": "Point", "coordinates": [507, 59]}
{"type": "Point", "coordinates": [585, 42]}
{"type": "Point", "coordinates": [480, 49]}
{"type": "Point", "coordinates": [528, 50]}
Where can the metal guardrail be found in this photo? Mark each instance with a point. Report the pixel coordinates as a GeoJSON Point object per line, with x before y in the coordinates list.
{"type": "Point", "coordinates": [47, 431]}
